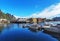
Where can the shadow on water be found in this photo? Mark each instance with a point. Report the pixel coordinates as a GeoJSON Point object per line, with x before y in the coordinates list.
{"type": "Point", "coordinates": [53, 34]}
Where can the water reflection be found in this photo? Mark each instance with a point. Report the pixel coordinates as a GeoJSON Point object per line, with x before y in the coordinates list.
{"type": "Point", "coordinates": [17, 32]}
{"type": "Point", "coordinates": [2, 26]}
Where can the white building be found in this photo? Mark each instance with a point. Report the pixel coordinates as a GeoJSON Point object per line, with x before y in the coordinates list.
{"type": "Point", "coordinates": [4, 21]}
{"type": "Point", "coordinates": [21, 19]}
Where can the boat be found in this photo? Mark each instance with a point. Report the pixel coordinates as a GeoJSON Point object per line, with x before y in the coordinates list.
{"type": "Point", "coordinates": [46, 26]}
{"type": "Point", "coordinates": [35, 26]}
{"type": "Point", "coordinates": [55, 27]}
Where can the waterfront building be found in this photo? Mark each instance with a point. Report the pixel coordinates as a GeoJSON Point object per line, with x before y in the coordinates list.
{"type": "Point", "coordinates": [4, 21]}
{"type": "Point", "coordinates": [34, 20]}
{"type": "Point", "coordinates": [40, 20]}
{"type": "Point", "coordinates": [21, 19]}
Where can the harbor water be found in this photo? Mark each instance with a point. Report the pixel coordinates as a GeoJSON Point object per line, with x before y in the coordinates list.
{"type": "Point", "coordinates": [16, 32]}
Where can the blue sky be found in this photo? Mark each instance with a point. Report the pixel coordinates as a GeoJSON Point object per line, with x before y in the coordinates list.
{"type": "Point", "coordinates": [25, 7]}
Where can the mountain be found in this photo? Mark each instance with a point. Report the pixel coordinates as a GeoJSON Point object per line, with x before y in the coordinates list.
{"type": "Point", "coordinates": [6, 16]}
{"type": "Point", "coordinates": [56, 18]}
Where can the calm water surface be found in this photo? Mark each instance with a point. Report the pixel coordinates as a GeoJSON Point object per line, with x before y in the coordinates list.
{"type": "Point", "coordinates": [15, 32]}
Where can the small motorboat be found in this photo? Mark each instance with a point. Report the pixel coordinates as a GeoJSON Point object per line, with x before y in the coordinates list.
{"type": "Point", "coordinates": [35, 26]}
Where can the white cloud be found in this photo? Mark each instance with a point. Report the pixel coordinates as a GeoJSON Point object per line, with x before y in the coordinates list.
{"type": "Point", "coordinates": [49, 12]}
{"type": "Point", "coordinates": [16, 16]}
{"type": "Point", "coordinates": [20, 17]}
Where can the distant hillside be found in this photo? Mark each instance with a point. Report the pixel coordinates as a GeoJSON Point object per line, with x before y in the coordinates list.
{"type": "Point", "coordinates": [56, 18]}
{"type": "Point", "coordinates": [6, 16]}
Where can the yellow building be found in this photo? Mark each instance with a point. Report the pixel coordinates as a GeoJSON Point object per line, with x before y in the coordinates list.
{"type": "Point", "coordinates": [34, 20]}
